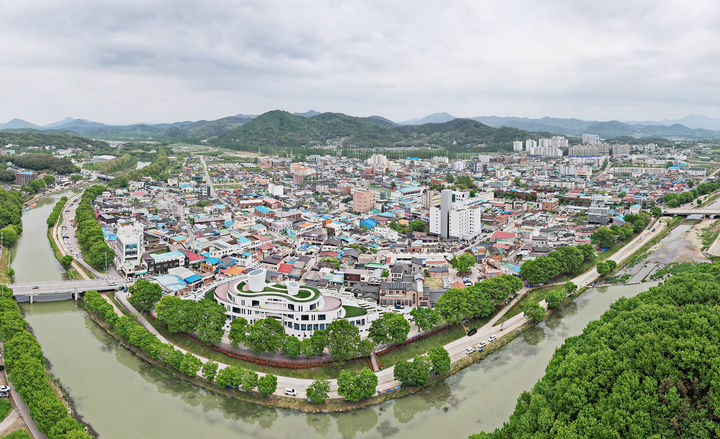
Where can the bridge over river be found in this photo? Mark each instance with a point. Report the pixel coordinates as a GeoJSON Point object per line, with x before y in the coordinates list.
{"type": "Point", "coordinates": [62, 290]}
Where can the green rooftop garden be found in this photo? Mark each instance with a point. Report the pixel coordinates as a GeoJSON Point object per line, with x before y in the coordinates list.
{"type": "Point", "coordinates": [305, 293]}
{"type": "Point", "coordinates": [353, 311]}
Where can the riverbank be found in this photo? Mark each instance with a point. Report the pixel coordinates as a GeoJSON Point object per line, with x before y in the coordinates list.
{"type": "Point", "coordinates": [5, 261]}
{"type": "Point", "coordinates": [334, 405]}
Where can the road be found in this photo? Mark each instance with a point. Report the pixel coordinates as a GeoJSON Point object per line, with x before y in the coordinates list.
{"type": "Point", "coordinates": [208, 180]}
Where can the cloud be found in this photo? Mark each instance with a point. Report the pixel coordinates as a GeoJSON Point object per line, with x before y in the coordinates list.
{"type": "Point", "coordinates": [131, 61]}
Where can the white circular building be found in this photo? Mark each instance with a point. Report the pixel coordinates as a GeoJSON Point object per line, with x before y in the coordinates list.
{"type": "Point", "coordinates": [302, 309]}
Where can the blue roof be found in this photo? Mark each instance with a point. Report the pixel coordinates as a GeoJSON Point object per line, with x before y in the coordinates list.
{"type": "Point", "coordinates": [263, 209]}
{"type": "Point", "coordinates": [171, 282]}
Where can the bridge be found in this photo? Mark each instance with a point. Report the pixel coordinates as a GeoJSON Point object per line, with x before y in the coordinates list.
{"type": "Point", "coordinates": [62, 290]}
{"type": "Point", "coordinates": [687, 211]}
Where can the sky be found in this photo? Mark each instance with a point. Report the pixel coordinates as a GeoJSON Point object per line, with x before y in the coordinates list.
{"type": "Point", "coordinates": [170, 60]}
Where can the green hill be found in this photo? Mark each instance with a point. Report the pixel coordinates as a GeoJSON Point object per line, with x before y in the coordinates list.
{"type": "Point", "coordinates": [282, 129]}
{"type": "Point", "coordinates": [25, 138]}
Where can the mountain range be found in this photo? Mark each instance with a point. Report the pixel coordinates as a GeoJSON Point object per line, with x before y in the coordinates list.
{"type": "Point", "coordinates": [313, 126]}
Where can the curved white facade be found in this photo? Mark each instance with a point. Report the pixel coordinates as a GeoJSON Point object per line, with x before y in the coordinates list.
{"type": "Point", "coordinates": [301, 309]}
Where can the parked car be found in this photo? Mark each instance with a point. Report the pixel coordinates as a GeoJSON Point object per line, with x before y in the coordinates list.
{"type": "Point", "coordinates": [469, 350]}
{"type": "Point", "coordinates": [4, 391]}
{"type": "Point", "coordinates": [35, 287]}
{"type": "Point", "coordinates": [290, 391]}
{"type": "Point", "coordinates": [482, 343]}
{"type": "Point", "coordinates": [473, 331]}
{"type": "Point", "coordinates": [492, 338]}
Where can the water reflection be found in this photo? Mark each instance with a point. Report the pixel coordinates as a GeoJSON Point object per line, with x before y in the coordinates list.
{"type": "Point", "coordinates": [534, 335]}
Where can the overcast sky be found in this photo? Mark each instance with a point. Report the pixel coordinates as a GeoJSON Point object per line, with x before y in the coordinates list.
{"type": "Point", "coordinates": [130, 61]}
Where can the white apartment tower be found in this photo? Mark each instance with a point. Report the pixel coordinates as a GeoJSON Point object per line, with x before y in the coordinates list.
{"type": "Point", "coordinates": [457, 216]}
{"type": "Point", "coordinates": [518, 146]}
{"type": "Point", "coordinates": [590, 139]}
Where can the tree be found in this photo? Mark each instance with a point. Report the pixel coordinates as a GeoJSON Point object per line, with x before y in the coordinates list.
{"type": "Point", "coordinates": [209, 370]}
{"type": "Point", "coordinates": [385, 274]}
{"type": "Point", "coordinates": [318, 391]}
{"type": "Point", "coordinates": [144, 294]}
{"type": "Point", "coordinates": [554, 298]}
{"type": "Point", "coordinates": [356, 387]}
{"type": "Point", "coordinates": [292, 347]}
{"type": "Point", "coordinates": [390, 328]}
{"type": "Point", "coordinates": [603, 237]}
{"type": "Point", "coordinates": [265, 335]}
{"type": "Point", "coordinates": [230, 377]}
{"type": "Point", "coordinates": [655, 211]}
{"type": "Point", "coordinates": [66, 261]}
{"type": "Point", "coordinates": [569, 288]}
{"type": "Point", "coordinates": [440, 359]}
{"type": "Point", "coordinates": [343, 340]}
{"type": "Point", "coordinates": [463, 263]}
{"type": "Point", "coordinates": [249, 380]}
{"type": "Point", "coordinates": [267, 384]}
{"type": "Point", "coordinates": [449, 178]}
{"type": "Point", "coordinates": [210, 319]}
{"type": "Point", "coordinates": [48, 179]}
{"type": "Point", "coordinates": [190, 364]}
{"type": "Point", "coordinates": [534, 311]}
{"type": "Point", "coordinates": [176, 314]}
{"type": "Point", "coordinates": [417, 226]}
{"type": "Point", "coordinates": [9, 235]}
{"type": "Point", "coordinates": [413, 373]}
{"type": "Point", "coordinates": [453, 305]}
{"type": "Point", "coordinates": [238, 330]}
{"type": "Point", "coordinates": [425, 318]}
{"type": "Point", "coordinates": [603, 268]}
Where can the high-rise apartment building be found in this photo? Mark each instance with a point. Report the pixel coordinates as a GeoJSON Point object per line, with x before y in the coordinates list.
{"type": "Point", "coordinates": [518, 146]}
{"type": "Point", "coordinates": [457, 216]}
{"type": "Point", "coordinates": [590, 139]}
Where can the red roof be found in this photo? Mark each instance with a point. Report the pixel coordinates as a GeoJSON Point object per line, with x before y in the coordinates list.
{"type": "Point", "coordinates": [285, 268]}
{"type": "Point", "coordinates": [502, 235]}
{"type": "Point", "coordinates": [192, 257]}
{"type": "Point", "coordinates": [457, 285]}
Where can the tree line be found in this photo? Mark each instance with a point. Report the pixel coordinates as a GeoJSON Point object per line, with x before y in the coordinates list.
{"type": "Point", "coordinates": [10, 216]}
{"type": "Point", "coordinates": [55, 214]}
{"type": "Point", "coordinates": [561, 262]}
{"type": "Point", "coordinates": [124, 162]}
{"type": "Point", "coordinates": [25, 362]}
{"type": "Point", "coordinates": [674, 199]}
{"type": "Point", "coordinates": [605, 237]}
{"type": "Point", "coordinates": [647, 368]}
{"type": "Point", "coordinates": [42, 162]}
{"type": "Point", "coordinates": [476, 301]}
{"type": "Point", "coordinates": [89, 232]}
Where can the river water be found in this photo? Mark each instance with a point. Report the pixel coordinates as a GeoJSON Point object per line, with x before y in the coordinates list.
{"type": "Point", "coordinates": [123, 397]}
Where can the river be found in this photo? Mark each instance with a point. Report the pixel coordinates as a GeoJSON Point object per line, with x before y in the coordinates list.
{"type": "Point", "coordinates": [123, 397]}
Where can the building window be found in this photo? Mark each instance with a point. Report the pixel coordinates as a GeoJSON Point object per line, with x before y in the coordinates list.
{"type": "Point", "coordinates": [304, 317]}
{"type": "Point", "coordinates": [321, 317]}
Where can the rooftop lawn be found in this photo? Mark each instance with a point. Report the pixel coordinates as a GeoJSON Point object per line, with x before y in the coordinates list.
{"type": "Point", "coordinates": [353, 311]}
{"type": "Point", "coordinates": [305, 293]}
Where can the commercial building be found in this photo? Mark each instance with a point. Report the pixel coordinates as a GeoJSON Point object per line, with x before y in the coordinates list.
{"type": "Point", "coordinates": [129, 248]}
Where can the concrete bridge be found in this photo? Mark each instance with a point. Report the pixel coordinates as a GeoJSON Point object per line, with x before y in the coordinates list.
{"type": "Point", "coordinates": [62, 290]}
{"type": "Point", "coordinates": [686, 211]}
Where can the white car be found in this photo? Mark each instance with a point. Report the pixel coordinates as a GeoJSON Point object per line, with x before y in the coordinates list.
{"type": "Point", "coordinates": [470, 350]}
{"type": "Point", "coordinates": [290, 391]}
{"type": "Point", "coordinates": [4, 391]}
{"type": "Point", "coordinates": [482, 343]}
{"type": "Point", "coordinates": [492, 338]}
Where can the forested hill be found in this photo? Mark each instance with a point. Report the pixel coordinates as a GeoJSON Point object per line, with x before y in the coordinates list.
{"type": "Point", "coordinates": [649, 368]}
{"type": "Point", "coordinates": [26, 138]}
{"type": "Point", "coordinates": [280, 128]}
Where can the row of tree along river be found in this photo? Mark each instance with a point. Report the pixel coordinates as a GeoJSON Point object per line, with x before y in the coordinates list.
{"type": "Point", "coordinates": [122, 397]}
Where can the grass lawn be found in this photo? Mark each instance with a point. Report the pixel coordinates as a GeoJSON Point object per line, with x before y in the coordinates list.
{"type": "Point", "coordinates": [195, 346]}
{"type": "Point", "coordinates": [353, 311]}
{"type": "Point", "coordinates": [420, 347]}
{"type": "Point", "coordinates": [5, 408]}
{"type": "Point", "coordinates": [4, 265]}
